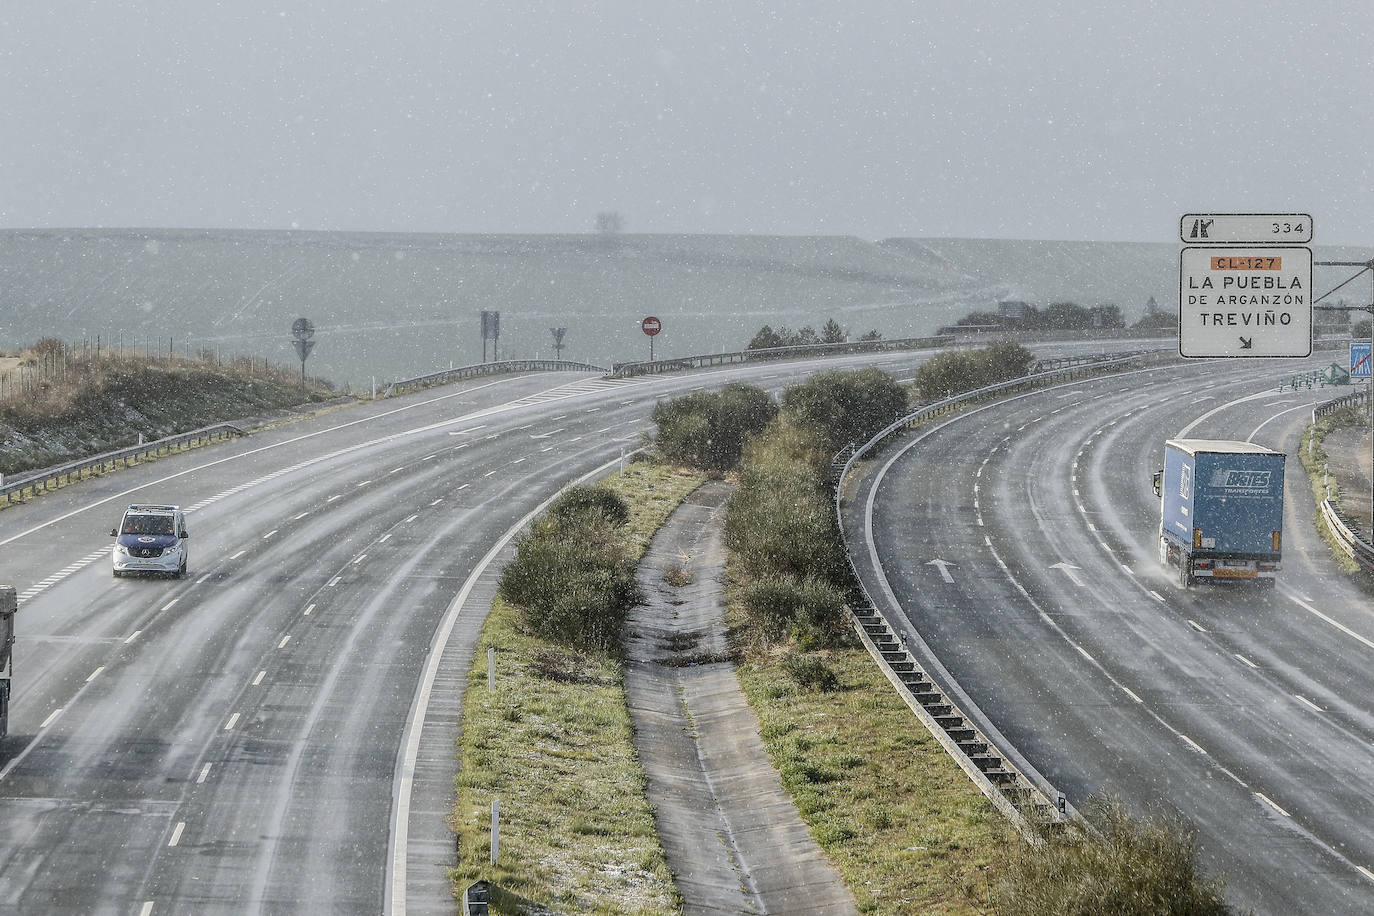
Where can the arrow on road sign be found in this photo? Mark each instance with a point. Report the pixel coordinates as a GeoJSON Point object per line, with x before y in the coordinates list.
{"type": "Point", "coordinates": [943, 566]}
{"type": "Point", "coordinates": [1069, 571]}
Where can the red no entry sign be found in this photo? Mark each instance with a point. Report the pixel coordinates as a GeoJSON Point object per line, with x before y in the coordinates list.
{"type": "Point", "coordinates": [651, 326]}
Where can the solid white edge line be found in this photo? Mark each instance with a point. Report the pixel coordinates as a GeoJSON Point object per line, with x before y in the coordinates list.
{"type": "Point", "coordinates": [1308, 703]}
{"type": "Point", "coordinates": [1270, 802]}
{"type": "Point", "coordinates": [1335, 623]}
{"type": "Point", "coordinates": [1366, 872]}
{"type": "Point", "coordinates": [395, 895]}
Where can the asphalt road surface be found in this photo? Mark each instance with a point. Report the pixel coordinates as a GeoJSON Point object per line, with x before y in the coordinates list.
{"type": "Point", "coordinates": [236, 741]}
{"type": "Point", "coordinates": [1248, 711]}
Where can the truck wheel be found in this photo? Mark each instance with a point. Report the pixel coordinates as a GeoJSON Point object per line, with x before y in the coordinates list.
{"type": "Point", "coordinates": [1185, 575]}
{"type": "Point", "coordinates": [1163, 552]}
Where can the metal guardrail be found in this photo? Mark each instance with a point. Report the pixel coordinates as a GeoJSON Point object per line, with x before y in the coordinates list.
{"type": "Point", "coordinates": [1353, 399]}
{"type": "Point", "coordinates": [444, 376]}
{"type": "Point", "coordinates": [1023, 799]}
{"type": "Point", "coordinates": [1360, 550]}
{"type": "Point", "coordinates": [1349, 540]}
{"type": "Point", "coordinates": [680, 363]}
{"type": "Point", "coordinates": [52, 478]}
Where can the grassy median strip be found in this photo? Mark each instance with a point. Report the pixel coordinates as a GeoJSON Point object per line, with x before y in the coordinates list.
{"type": "Point", "coordinates": [554, 744]}
{"type": "Point", "coordinates": [906, 828]}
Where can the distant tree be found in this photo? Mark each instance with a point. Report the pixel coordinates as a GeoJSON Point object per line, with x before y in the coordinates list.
{"type": "Point", "coordinates": [983, 318]}
{"type": "Point", "coordinates": [609, 222]}
{"type": "Point", "coordinates": [1067, 316]}
{"type": "Point", "coordinates": [765, 339]}
{"type": "Point", "coordinates": [806, 337]}
{"type": "Point", "coordinates": [1158, 320]}
{"type": "Point", "coordinates": [832, 332]}
{"type": "Point", "coordinates": [1360, 329]}
{"type": "Point", "coordinates": [872, 335]}
{"type": "Point", "coordinates": [1106, 316]}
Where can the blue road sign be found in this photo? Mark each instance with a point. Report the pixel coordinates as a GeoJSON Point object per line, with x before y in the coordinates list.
{"type": "Point", "coordinates": [1359, 360]}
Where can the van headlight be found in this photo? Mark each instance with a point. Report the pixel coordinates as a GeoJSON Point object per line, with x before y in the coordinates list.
{"type": "Point", "coordinates": [121, 549]}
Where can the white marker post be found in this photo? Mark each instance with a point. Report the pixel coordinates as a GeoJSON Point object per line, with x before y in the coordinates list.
{"type": "Point", "coordinates": [495, 828]}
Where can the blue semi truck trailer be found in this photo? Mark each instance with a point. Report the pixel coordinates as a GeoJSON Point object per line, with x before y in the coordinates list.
{"type": "Point", "coordinates": [1222, 512]}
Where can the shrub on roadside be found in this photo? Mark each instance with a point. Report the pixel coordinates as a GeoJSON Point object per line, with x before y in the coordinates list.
{"type": "Point", "coordinates": [956, 371]}
{"type": "Point", "coordinates": [782, 606]}
{"type": "Point", "coordinates": [810, 672]}
{"type": "Point", "coordinates": [780, 522]}
{"type": "Point", "coordinates": [1123, 866]}
{"type": "Point", "coordinates": [843, 407]}
{"type": "Point", "coordinates": [708, 429]}
{"type": "Point", "coordinates": [572, 580]}
{"type": "Point", "coordinates": [583, 504]}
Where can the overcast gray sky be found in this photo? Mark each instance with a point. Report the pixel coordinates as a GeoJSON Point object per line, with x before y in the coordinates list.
{"type": "Point", "coordinates": [1094, 121]}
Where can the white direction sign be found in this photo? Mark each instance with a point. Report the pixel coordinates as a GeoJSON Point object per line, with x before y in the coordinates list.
{"type": "Point", "coordinates": [1245, 229]}
{"type": "Point", "coordinates": [1245, 302]}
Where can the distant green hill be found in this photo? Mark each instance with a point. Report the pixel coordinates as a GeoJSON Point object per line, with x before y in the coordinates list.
{"type": "Point", "coordinates": [398, 305]}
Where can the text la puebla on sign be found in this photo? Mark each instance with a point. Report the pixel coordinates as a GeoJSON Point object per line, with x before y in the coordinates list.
{"type": "Point", "coordinates": [1245, 302]}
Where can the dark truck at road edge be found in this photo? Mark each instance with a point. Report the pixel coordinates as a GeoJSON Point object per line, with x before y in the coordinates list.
{"type": "Point", "coordinates": [1221, 517]}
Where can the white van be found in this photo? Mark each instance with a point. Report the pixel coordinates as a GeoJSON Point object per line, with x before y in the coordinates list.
{"type": "Point", "coordinates": [151, 539]}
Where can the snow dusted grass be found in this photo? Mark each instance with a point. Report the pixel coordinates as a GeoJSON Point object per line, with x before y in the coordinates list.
{"type": "Point", "coordinates": [906, 828]}
{"type": "Point", "coordinates": [555, 744]}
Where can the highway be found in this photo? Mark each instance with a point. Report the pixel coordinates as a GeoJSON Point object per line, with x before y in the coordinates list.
{"type": "Point", "coordinates": [242, 740]}
{"type": "Point", "coordinates": [1018, 540]}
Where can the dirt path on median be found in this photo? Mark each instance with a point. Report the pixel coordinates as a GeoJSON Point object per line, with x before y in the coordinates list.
{"type": "Point", "coordinates": [732, 836]}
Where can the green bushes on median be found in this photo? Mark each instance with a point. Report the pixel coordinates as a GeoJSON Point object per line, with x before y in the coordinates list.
{"type": "Point", "coordinates": [572, 577]}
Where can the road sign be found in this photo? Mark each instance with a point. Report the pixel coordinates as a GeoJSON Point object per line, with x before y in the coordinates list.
{"type": "Point", "coordinates": [651, 326]}
{"type": "Point", "coordinates": [1359, 360]}
{"type": "Point", "coordinates": [302, 329]}
{"type": "Point", "coordinates": [1247, 302]}
{"type": "Point", "coordinates": [1245, 229]}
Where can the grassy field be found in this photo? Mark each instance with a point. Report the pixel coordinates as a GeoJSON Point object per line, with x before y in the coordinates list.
{"type": "Point", "coordinates": [396, 305]}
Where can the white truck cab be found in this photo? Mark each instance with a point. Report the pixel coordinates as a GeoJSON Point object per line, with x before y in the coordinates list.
{"type": "Point", "coordinates": [151, 539]}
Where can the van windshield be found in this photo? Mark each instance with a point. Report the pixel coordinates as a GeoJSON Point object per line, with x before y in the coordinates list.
{"type": "Point", "coordinates": [147, 524]}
